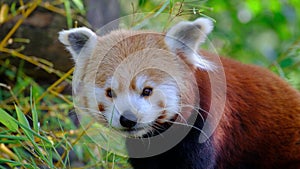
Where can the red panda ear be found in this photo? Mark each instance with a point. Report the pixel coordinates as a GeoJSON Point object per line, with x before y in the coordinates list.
{"type": "Point", "coordinates": [79, 41]}
{"type": "Point", "coordinates": [186, 37]}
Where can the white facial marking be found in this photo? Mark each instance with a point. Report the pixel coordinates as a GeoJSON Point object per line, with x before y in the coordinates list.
{"type": "Point", "coordinates": [146, 109]}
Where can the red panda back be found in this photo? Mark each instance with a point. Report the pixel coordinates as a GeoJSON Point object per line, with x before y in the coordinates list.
{"type": "Point", "coordinates": [261, 121]}
{"type": "Point", "coordinates": [260, 125]}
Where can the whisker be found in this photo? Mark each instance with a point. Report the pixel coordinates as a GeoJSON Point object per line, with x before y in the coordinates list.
{"type": "Point", "coordinates": [149, 140]}
{"type": "Point", "coordinates": [181, 117]}
{"type": "Point", "coordinates": [196, 108]}
{"type": "Point", "coordinates": [157, 131]}
{"type": "Point", "coordinates": [188, 125]}
{"type": "Point", "coordinates": [95, 113]}
{"type": "Point", "coordinates": [158, 127]}
{"type": "Point", "coordinates": [148, 136]}
{"type": "Point", "coordinates": [89, 109]}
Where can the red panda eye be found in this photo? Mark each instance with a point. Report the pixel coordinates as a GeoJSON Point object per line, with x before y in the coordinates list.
{"type": "Point", "coordinates": [147, 91]}
{"type": "Point", "coordinates": [110, 93]}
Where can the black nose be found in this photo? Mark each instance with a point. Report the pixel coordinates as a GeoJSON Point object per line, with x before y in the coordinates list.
{"type": "Point", "coordinates": [128, 119]}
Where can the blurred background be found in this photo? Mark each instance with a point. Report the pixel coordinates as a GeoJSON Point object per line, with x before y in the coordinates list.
{"type": "Point", "coordinates": [39, 128]}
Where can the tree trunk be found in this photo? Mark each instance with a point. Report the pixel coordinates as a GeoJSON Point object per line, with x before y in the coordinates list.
{"type": "Point", "coordinates": [42, 28]}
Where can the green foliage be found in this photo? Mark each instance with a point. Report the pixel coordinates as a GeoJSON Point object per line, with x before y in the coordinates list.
{"type": "Point", "coordinates": [73, 5]}
{"type": "Point", "coordinates": [7, 120]}
{"type": "Point", "coordinates": [35, 128]}
{"type": "Point", "coordinates": [36, 147]}
{"type": "Point", "coordinates": [259, 32]}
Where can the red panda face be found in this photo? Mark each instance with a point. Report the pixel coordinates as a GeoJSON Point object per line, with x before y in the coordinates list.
{"type": "Point", "coordinates": [135, 81]}
{"type": "Point", "coordinates": [138, 105]}
{"type": "Point", "coordinates": [140, 89]}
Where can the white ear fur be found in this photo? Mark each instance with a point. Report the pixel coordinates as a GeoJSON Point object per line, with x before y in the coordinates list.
{"type": "Point", "coordinates": [79, 41]}
{"type": "Point", "coordinates": [186, 37]}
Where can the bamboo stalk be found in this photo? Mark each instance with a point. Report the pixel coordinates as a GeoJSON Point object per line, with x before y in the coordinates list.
{"type": "Point", "coordinates": [73, 143]}
{"type": "Point", "coordinates": [8, 152]}
{"type": "Point", "coordinates": [18, 24]}
{"type": "Point", "coordinates": [56, 83]}
{"type": "Point", "coordinates": [31, 60]}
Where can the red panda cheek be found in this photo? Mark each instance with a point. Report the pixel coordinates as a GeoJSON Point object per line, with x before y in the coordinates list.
{"type": "Point", "coordinates": [101, 107]}
{"type": "Point", "coordinates": [161, 104]}
{"type": "Point", "coordinates": [162, 117]}
{"type": "Point", "coordinates": [163, 114]}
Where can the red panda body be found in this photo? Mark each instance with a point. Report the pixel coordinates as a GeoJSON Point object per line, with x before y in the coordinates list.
{"type": "Point", "coordinates": [259, 128]}
{"type": "Point", "coordinates": [142, 84]}
{"type": "Point", "coordinates": [261, 121]}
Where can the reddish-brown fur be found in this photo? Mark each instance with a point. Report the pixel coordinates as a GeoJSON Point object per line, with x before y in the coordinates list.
{"type": "Point", "coordinates": [261, 120]}
{"type": "Point", "coordinates": [260, 125]}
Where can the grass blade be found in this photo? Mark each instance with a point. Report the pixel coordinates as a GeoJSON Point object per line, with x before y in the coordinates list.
{"type": "Point", "coordinates": [23, 120]}
{"type": "Point", "coordinates": [68, 13]}
{"type": "Point", "coordinates": [8, 121]}
{"type": "Point", "coordinates": [34, 113]}
{"type": "Point", "coordinates": [80, 6]}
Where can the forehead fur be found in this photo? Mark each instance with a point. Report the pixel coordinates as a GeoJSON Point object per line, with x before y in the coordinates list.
{"type": "Point", "coordinates": [97, 58]}
{"type": "Point", "coordinates": [126, 54]}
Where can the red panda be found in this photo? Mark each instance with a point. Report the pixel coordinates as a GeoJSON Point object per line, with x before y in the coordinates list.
{"type": "Point", "coordinates": [158, 89]}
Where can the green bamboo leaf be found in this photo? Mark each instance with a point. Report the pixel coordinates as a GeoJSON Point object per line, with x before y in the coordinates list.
{"type": "Point", "coordinates": [34, 113]}
{"type": "Point", "coordinates": [12, 137]}
{"type": "Point", "coordinates": [13, 8]}
{"type": "Point", "coordinates": [141, 3]}
{"type": "Point", "coordinates": [8, 121]}
{"type": "Point", "coordinates": [68, 13]}
{"type": "Point", "coordinates": [286, 62]}
{"type": "Point", "coordinates": [163, 7]}
{"type": "Point", "coordinates": [171, 2]}
{"type": "Point", "coordinates": [80, 6]}
{"type": "Point", "coordinates": [23, 120]}
{"type": "Point", "coordinates": [28, 129]}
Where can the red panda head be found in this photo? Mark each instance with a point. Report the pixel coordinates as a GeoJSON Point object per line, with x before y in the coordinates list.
{"type": "Point", "coordinates": [135, 81]}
